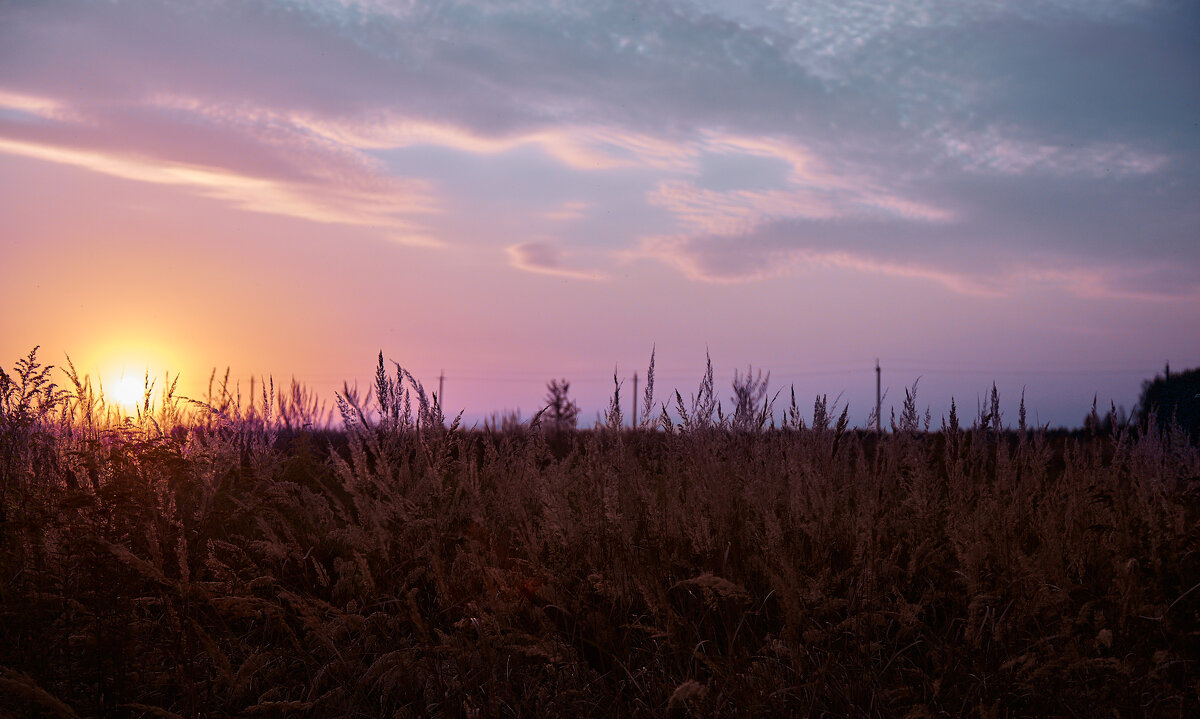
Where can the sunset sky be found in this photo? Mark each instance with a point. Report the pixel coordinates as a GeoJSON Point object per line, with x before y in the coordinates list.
{"type": "Point", "coordinates": [969, 191]}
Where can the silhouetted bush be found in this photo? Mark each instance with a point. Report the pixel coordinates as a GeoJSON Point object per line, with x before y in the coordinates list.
{"type": "Point", "coordinates": [562, 414]}
{"type": "Point", "coordinates": [1172, 400]}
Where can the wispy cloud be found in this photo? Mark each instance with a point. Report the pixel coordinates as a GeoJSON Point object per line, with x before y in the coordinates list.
{"type": "Point", "coordinates": [995, 151]}
{"type": "Point", "coordinates": [251, 164]}
{"type": "Point", "coordinates": [914, 252]}
{"type": "Point", "coordinates": [569, 211]}
{"type": "Point", "coordinates": [547, 259]}
{"type": "Point", "coordinates": [581, 147]}
{"type": "Point", "coordinates": [727, 260]}
{"type": "Point", "coordinates": [32, 105]}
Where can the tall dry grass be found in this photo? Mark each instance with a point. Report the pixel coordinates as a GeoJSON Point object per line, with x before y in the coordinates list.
{"type": "Point", "coordinates": [215, 559]}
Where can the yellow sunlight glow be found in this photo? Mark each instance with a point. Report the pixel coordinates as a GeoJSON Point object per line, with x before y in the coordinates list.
{"type": "Point", "coordinates": [129, 392]}
{"type": "Point", "coordinates": [124, 354]}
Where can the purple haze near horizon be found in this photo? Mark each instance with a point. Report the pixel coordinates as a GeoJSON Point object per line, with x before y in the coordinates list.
{"type": "Point", "coordinates": [510, 192]}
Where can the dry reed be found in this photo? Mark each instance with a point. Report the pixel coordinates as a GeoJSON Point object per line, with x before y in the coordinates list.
{"type": "Point", "coordinates": [209, 560]}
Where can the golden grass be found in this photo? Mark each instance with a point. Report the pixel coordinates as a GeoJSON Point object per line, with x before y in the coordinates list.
{"type": "Point", "coordinates": [215, 561]}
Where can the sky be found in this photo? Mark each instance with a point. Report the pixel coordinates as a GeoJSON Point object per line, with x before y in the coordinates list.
{"type": "Point", "coordinates": [504, 193]}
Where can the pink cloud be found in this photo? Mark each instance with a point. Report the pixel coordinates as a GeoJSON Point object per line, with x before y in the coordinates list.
{"type": "Point", "coordinates": [317, 167]}
{"type": "Point", "coordinates": [731, 262]}
{"type": "Point", "coordinates": [728, 260]}
{"type": "Point", "coordinates": [43, 107]}
{"type": "Point", "coordinates": [239, 157]}
{"type": "Point", "coordinates": [1107, 282]}
{"type": "Point", "coordinates": [728, 212]}
{"type": "Point", "coordinates": [814, 191]}
{"type": "Point", "coordinates": [545, 258]}
{"type": "Point", "coordinates": [579, 147]}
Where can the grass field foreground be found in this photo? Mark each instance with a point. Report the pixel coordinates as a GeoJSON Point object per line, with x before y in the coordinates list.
{"type": "Point", "coordinates": [213, 560]}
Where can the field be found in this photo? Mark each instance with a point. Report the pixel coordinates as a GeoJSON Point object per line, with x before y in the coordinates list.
{"type": "Point", "coordinates": [225, 560]}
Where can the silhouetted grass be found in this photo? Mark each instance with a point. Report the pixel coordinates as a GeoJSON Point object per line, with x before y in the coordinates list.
{"type": "Point", "coordinates": [213, 560]}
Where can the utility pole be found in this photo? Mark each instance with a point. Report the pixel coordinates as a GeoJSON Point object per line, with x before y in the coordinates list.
{"type": "Point", "coordinates": [878, 399]}
{"type": "Point", "coordinates": [441, 400]}
{"type": "Point", "coordinates": [635, 400]}
{"type": "Point", "coordinates": [1168, 371]}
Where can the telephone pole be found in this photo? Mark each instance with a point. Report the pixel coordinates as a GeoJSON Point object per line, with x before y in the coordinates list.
{"type": "Point", "coordinates": [878, 399]}
{"type": "Point", "coordinates": [441, 400]}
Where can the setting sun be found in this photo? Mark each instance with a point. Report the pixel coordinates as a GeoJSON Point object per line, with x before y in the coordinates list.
{"type": "Point", "coordinates": [126, 363]}
{"type": "Point", "coordinates": [128, 392]}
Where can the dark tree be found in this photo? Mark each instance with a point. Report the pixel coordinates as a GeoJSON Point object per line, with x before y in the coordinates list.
{"type": "Point", "coordinates": [562, 412]}
{"type": "Point", "coordinates": [1173, 398]}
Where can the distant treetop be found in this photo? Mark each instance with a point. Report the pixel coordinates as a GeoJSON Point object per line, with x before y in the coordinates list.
{"type": "Point", "coordinates": [1172, 398]}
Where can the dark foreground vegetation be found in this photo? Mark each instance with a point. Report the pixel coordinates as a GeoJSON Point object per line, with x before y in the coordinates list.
{"type": "Point", "coordinates": [219, 562]}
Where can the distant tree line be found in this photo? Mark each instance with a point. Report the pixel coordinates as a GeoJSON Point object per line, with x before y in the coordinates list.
{"type": "Point", "coordinates": [1172, 398]}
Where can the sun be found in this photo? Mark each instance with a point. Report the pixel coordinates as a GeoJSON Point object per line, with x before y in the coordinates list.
{"type": "Point", "coordinates": [129, 392]}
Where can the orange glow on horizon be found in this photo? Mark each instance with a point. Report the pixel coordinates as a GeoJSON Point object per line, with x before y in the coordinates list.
{"type": "Point", "coordinates": [122, 366]}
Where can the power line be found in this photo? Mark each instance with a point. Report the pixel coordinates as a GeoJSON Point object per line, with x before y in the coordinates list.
{"type": "Point", "coordinates": [1036, 372]}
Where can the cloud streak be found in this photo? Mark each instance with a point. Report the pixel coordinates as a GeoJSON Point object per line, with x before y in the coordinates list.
{"type": "Point", "coordinates": [993, 151]}
{"type": "Point", "coordinates": [923, 254]}
{"type": "Point", "coordinates": [547, 259]}
{"type": "Point", "coordinates": [257, 166]}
